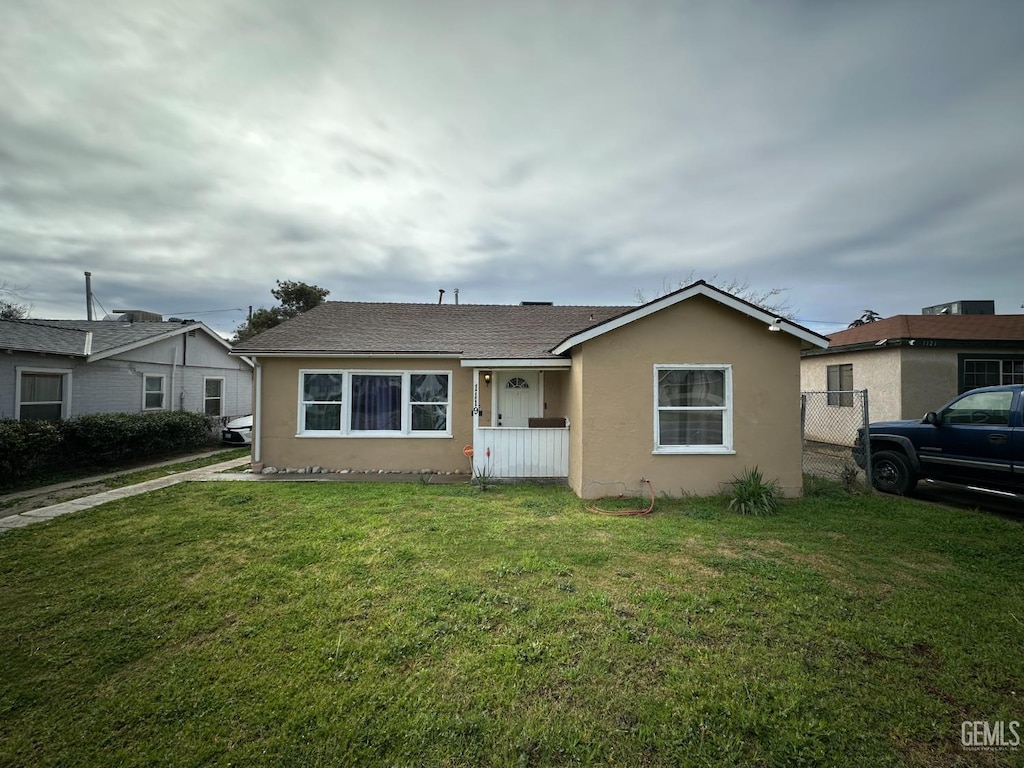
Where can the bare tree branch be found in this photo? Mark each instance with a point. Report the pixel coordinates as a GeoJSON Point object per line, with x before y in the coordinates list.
{"type": "Point", "coordinates": [771, 300]}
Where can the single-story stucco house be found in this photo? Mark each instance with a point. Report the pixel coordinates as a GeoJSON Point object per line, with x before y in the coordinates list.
{"type": "Point", "coordinates": [912, 364]}
{"type": "Point", "coordinates": [685, 391]}
{"type": "Point", "coordinates": [59, 369]}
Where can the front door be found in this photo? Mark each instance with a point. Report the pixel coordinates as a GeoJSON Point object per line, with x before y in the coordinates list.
{"type": "Point", "coordinates": [518, 398]}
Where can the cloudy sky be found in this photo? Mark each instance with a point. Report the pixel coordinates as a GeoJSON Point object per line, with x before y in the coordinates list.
{"type": "Point", "coordinates": [862, 155]}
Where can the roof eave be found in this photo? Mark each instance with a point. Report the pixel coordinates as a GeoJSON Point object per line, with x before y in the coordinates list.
{"type": "Point", "coordinates": [919, 343]}
{"type": "Point", "coordinates": [516, 362]}
{"type": "Point", "coordinates": [30, 350]}
{"type": "Point", "coordinates": [700, 288]}
{"type": "Point", "coordinates": [254, 353]}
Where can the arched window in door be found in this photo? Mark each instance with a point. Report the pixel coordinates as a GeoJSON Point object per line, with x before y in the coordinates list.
{"type": "Point", "coordinates": [517, 383]}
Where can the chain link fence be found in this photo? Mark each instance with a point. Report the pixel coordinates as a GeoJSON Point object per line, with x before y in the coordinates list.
{"type": "Point", "coordinates": [829, 422]}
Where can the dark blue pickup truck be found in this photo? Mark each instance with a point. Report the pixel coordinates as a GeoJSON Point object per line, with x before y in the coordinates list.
{"type": "Point", "coordinates": [976, 439]}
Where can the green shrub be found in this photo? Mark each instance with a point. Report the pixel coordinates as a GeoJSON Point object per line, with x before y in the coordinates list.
{"type": "Point", "coordinates": [751, 494]}
{"type": "Point", "coordinates": [29, 449]}
{"type": "Point", "coordinates": [109, 438]}
{"type": "Point", "coordinates": [26, 447]}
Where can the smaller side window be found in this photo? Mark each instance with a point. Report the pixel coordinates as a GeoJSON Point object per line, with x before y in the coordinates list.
{"type": "Point", "coordinates": [429, 402]}
{"type": "Point", "coordinates": [213, 397]}
{"type": "Point", "coordinates": [321, 402]}
{"type": "Point", "coordinates": [840, 385]}
{"type": "Point", "coordinates": [153, 393]}
{"type": "Point", "coordinates": [692, 408]}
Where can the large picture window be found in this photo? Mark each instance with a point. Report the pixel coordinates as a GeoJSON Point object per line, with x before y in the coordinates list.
{"type": "Point", "coordinates": [375, 403]}
{"type": "Point", "coordinates": [693, 409]}
{"type": "Point", "coordinates": [43, 395]}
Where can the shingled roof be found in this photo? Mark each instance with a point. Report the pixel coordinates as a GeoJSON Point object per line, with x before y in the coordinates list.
{"type": "Point", "coordinates": [476, 331]}
{"type": "Point", "coordinates": [965, 328]}
{"type": "Point", "coordinates": [72, 337]}
{"type": "Point", "coordinates": [484, 331]}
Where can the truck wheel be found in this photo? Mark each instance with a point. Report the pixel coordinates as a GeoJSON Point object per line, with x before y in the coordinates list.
{"type": "Point", "coordinates": [891, 473]}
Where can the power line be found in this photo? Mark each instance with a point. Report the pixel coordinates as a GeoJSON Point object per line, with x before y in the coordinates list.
{"type": "Point", "coordinates": [96, 299]}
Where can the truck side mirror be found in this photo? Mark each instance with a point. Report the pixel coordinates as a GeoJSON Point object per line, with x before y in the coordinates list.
{"type": "Point", "coordinates": [932, 418]}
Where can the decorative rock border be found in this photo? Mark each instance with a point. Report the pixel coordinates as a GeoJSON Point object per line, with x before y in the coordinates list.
{"type": "Point", "coordinates": [317, 470]}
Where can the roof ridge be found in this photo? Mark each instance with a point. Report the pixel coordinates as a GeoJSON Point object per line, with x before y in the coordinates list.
{"type": "Point", "coordinates": [470, 304]}
{"type": "Point", "coordinates": [42, 322]}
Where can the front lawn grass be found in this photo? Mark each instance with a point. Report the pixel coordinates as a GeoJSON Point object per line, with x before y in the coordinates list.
{"type": "Point", "coordinates": [386, 624]}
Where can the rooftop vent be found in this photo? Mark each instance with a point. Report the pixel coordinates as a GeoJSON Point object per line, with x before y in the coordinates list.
{"type": "Point", "coordinates": [138, 316]}
{"type": "Point", "coordinates": [536, 303]}
{"type": "Point", "coordinates": [986, 307]}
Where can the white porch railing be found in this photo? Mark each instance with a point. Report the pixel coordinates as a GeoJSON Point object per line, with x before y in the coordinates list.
{"type": "Point", "coordinates": [521, 451]}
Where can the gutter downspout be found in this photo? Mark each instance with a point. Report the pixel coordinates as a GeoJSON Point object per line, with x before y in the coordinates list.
{"type": "Point", "coordinates": [257, 418]}
{"type": "Point", "coordinates": [184, 370]}
{"type": "Point", "coordinates": [174, 371]}
{"type": "Point", "coordinates": [88, 344]}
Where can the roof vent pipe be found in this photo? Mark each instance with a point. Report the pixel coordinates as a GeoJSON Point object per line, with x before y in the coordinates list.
{"type": "Point", "coordinates": [88, 296]}
{"type": "Point", "coordinates": [440, 295]}
{"type": "Point", "coordinates": [456, 296]}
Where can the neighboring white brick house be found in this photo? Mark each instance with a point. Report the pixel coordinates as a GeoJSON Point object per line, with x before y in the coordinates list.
{"type": "Point", "coordinates": [66, 368]}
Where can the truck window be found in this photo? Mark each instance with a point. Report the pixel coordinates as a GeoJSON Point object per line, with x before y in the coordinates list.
{"type": "Point", "coordinates": [980, 408]}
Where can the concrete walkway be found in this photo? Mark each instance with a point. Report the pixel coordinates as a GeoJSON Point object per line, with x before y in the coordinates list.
{"type": "Point", "coordinates": [45, 489]}
{"type": "Point", "coordinates": [214, 472]}
{"type": "Point", "coordinates": [85, 502]}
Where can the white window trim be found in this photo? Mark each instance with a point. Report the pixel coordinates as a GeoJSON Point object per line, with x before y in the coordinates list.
{"type": "Point", "coordinates": [346, 430]}
{"type": "Point", "coordinates": [301, 413]}
{"type": "Point", "coordinates": [65, 406]}
{"type": "Point", "coordinates": [163, 391]}
{"type": "Point", "coordinates": [727, 410]}
{"type": "Point", "coordinates": [223, 388]}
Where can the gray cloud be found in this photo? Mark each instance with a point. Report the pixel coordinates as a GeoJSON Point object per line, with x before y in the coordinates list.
{"type": "Point", "coordinates": [860, 154]}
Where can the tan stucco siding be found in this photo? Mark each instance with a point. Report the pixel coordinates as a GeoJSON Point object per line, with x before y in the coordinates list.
{"type": "Point", "coordinates": [877, 371]}
{"type": "Point", "coordinates": [903, 382]}
{"type": "Point", "coordinates": [929, 378]}
{"type": "Point", "coordinates": [281, 447]}
{"type": "Point", "coordinates": [613, 436]}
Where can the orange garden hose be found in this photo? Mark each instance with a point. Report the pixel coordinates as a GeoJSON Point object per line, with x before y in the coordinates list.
{"type": "Point", "coordinates": [627, 512]}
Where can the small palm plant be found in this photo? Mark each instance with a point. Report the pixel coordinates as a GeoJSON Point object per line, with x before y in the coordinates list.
{"type": "Point", "coordinates": [751, 494]}
{"type": "Point", "coordinates": [482, 476]}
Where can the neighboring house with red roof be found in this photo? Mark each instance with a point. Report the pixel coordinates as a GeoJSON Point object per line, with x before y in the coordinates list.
{"type": "Point", "coordinates": [911, 364]}
{"type": "Point", "coordinates": [58, 369]}
{"type": "Point", "coordinates": [686, 391]}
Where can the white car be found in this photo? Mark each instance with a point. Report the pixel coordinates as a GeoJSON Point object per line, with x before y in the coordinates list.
{"type": "Point", "coordinates": [238, 431]}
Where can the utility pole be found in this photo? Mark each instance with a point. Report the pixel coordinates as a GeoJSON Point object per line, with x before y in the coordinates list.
{"type": "Point", "coordinates": [88, 296]}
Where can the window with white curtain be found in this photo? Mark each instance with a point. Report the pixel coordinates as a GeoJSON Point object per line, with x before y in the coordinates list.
{"type": "Point", "coordinates": [340, 403]}
{"type": "Point", "coordinates": [43, 394]}
{"type": "Point", "coordinates": [692, 408]}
